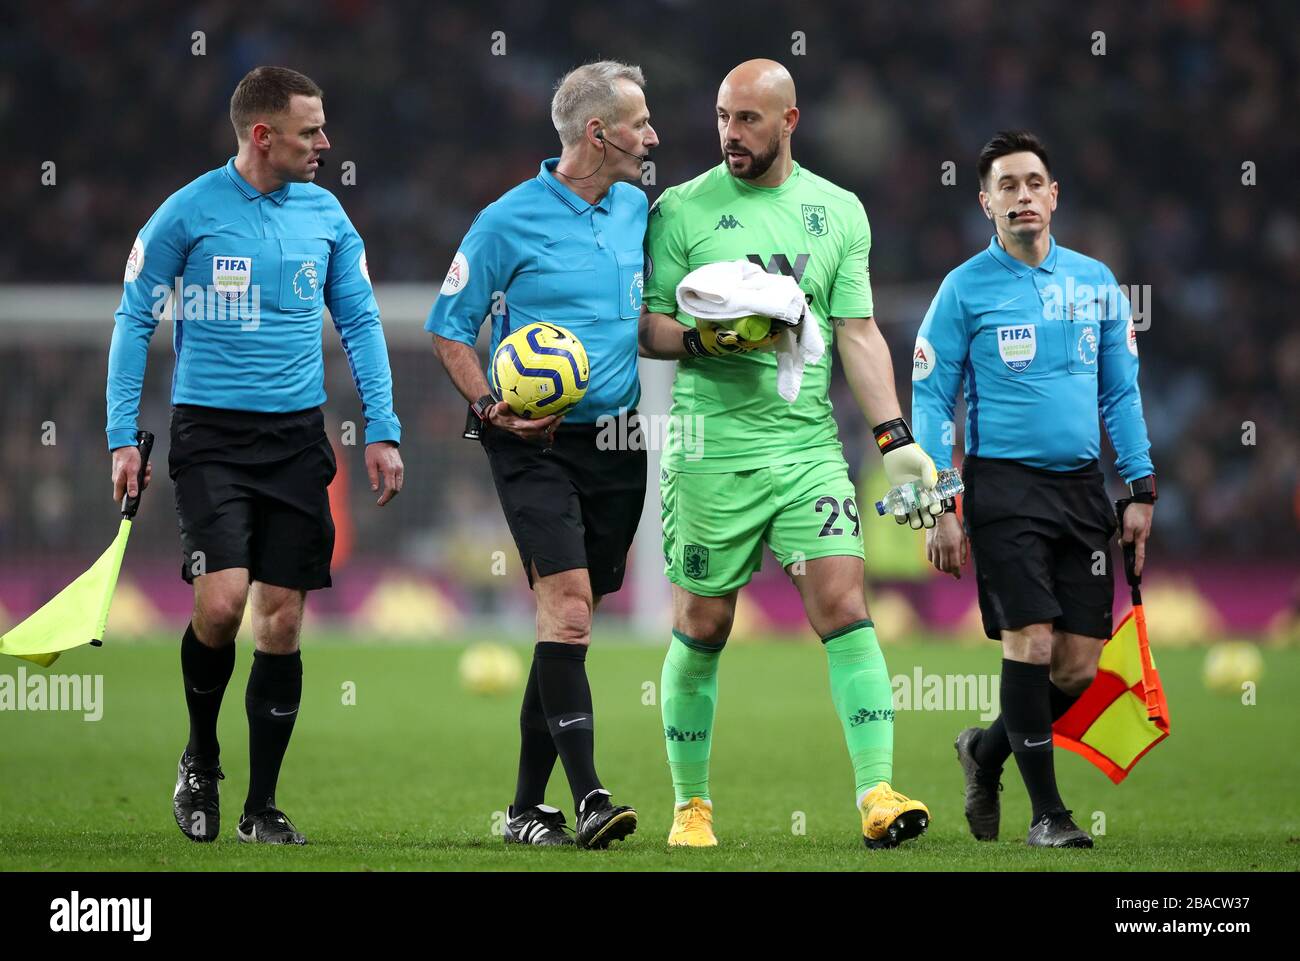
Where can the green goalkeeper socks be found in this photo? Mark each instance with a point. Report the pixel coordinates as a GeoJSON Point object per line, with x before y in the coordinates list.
{"type": "Point", "coordinates": [864, 701]}
{"type": "Point", "coordinates": [688, 691]}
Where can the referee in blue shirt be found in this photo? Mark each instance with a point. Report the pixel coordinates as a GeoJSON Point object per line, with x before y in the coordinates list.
{"type": "Point", "coordinates": [563, 247]}
{"type": "Point", "coordinates": [251, 252]}
{"type": "Point", "coordinates": [1043, 339]}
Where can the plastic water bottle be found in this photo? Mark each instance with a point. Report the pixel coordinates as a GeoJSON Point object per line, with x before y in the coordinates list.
{"type": "Point", "coordinates": [905, 498]}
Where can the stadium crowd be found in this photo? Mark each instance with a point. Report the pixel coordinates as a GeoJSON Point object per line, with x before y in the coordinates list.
{"type": "Point", "coordinates": [1167, 123]}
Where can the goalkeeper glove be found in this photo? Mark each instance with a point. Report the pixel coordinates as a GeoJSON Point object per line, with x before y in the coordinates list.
{"type": "Point", "coordinates": [709, 341]}
{"type": "Point", "coordinates": [907, 463]}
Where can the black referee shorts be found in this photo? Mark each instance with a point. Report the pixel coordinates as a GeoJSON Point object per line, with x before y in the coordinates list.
{"type": "Point", "coordinates": [1041, 544]}
{"type": "Point", "coordinates": [251, 491]}
{"type": "Point", "coordinates": [569, 505]}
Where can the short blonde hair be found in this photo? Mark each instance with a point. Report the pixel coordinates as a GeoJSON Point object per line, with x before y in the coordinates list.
{"type": "Point", "coordinates": [590, 91]}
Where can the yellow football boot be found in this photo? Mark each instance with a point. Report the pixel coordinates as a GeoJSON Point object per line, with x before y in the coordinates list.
{"type": "Point", "coordinates": [693, 825]}
{"type": "Point", "coordinates": [888, 818]}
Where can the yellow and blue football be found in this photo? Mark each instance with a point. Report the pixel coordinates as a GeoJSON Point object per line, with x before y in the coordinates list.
{"type": "Point", "coordinates": [540, 370]}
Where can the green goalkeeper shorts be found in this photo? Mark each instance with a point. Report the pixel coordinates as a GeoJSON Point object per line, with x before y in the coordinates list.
{"type": "Point", "coordinates": [715, 525]}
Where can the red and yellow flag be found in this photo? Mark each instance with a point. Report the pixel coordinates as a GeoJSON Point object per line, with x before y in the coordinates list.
{"type": "Point", "coordinates": [1123, 714]}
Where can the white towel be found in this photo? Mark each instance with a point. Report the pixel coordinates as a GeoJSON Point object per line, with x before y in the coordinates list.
{"type": "Point", "coordinates": [737, 288]}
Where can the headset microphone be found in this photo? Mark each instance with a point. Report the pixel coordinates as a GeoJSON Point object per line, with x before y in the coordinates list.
{"type": "Point", "coordinates": [600, 135]}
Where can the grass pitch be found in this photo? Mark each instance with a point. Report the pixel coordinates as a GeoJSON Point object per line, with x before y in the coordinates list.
{"type": "Point", "coordinates": [414, 774]}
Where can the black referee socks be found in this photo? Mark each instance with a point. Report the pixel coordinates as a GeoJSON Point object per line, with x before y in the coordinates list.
{"type": "Point", "coordinates": [206, 672]}
{"type": "Point", "coordinates": [1027, 713]}
{"type": "Point", "coordinates": [536, 747]}
{"type": "Point", "coordinates": [992, 749]}
{"type": "Point", "coordinates": [272, 698]}
{"type": "Point", "coordinates": [566, 700]}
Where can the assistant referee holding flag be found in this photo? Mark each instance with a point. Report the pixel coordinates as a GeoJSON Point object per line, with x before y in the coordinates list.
{"type": "Point", "coordinates": [255, 250]}
{"type": "Point", "coordinates": [1043, 338]}
{"type": "Point", "coordinates": [564, 247]}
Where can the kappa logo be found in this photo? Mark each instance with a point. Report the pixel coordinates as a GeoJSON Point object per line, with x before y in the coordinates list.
{"type": "Point", "coordinates": [457, 275]}
{"type": "Point", "coordinates": [922, 359]}
{"type": "Point", "coordinates": [728, 222]}
{"type": "Point", "coordinates": [1087, 345]}
{"type": "Point", "coordinates": [305, 281]}
{"type": "Point", "coordinates": [231, 276]}
{"type": "Point", "coordinates": [1017, 345]}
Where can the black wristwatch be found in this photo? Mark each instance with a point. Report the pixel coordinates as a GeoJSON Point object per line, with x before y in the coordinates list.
{"type": "Point", "coordinates": [1142, 490]}
{"type": "Point", "coordinates": [477, 416]}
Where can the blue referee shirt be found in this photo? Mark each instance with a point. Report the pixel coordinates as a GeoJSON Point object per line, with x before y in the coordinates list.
{"type": "Point", "coordinates": [1041, 350]}
{"type": "Point", "coordinates": [255, 272]}
{"type": "Point", "coordinates": [542, 253]}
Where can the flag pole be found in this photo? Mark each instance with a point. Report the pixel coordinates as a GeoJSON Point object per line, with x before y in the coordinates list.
{"type": "Point", "coordinates": [1157, 707]}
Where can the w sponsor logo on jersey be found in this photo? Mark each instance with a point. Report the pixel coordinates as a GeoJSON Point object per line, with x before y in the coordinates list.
{"type": "Point", "coordinates": [780, 264]}
{"type": "Point", "coordinates": [231, 276]}
{"type": "Point", "coordinates": [1017, 345]}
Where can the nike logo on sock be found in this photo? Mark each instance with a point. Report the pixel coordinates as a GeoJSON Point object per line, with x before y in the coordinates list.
{"type": "Point", "coordinates": [275, 713]}
{"type": "Point", "coordinates": [573, 721]}
{"type": "Point", "coordinates": [210, 690]}
{"type": "Point", "coordinates": [1029, 743]}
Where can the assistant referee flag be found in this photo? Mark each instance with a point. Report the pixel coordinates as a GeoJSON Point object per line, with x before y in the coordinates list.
{"type": "Point", "coordinates": [1123, 713]}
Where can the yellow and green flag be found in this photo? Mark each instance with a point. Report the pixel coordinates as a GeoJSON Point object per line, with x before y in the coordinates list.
{"type": "Point", "coordinates": [75, 616]}
{"type": "Point", "coordinates": [78, 614]}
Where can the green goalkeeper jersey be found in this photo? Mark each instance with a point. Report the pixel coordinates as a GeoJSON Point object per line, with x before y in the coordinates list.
{"type": "Point", "coordinates": [726, 412]}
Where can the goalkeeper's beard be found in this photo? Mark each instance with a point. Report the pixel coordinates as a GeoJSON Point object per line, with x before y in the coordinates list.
{"type": "Point", "coordinates": [759, 164]}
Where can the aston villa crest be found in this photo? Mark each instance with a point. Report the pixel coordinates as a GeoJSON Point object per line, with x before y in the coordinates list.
{"type": "Point", "coordinates": [814, 219]}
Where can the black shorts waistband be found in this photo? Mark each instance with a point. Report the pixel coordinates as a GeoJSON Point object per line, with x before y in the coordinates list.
{"type": "Point", "coordinates": [201, 434]}
{"type": "Point", "coordinates": [198, 412]}
{"type": "Point", "coordinates": [972, 465]}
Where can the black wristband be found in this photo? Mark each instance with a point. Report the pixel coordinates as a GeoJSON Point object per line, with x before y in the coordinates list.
{"type": "Point", "coordinates": [481, 406]}
{"type": "Point", "coordinates": [892, 434]}
{"type": "Point", "coordinates": [691, 341]}
{"type": "Point", "coordinates": [1142, 490]}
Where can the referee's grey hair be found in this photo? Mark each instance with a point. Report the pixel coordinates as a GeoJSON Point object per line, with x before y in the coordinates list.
{"type": "Point", "coordinates": [590, 91]}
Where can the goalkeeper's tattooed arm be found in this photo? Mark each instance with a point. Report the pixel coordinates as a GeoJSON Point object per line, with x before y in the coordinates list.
{"type": "Point", "coordinates": [868, 367]}
{"type": "Point", "coordinates": [870, 372]}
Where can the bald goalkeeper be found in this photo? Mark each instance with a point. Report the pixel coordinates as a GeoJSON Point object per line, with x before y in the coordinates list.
{"type": "Point", "coordinates": [771, 472]}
